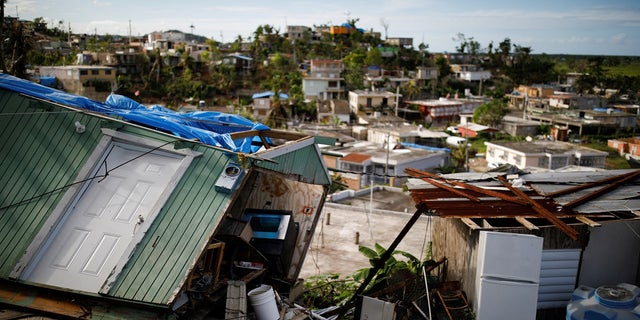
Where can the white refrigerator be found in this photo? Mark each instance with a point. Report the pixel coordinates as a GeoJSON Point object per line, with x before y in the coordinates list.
{"type": "Point", "coordinates": [507, 276]}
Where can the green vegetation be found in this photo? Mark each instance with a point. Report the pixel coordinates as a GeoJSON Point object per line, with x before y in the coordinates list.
{"type": "Point", "coordinates": [627, 70]}
{"type": "Point", "coordinates": [401, 271]}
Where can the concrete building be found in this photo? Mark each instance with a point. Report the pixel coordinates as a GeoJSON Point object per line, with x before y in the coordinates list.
{"type": "Point", "coordinates": [297, 32]}
{"type": "Point", "coordinates": [443, 110]}
{"type": "Point", "coordinates": [363, 163]}
{"type": "Point", "coordinates": [470, 72]}
{"type": "Point", "coordinates": [323, 81]}
{"type": "Point", "coordinates": [363, 100]}
{"type": "Point", "coordinates": [334, 110]}
{"type": "Point", "coordinates": [93, 82]}
{"type": "Point", "coordinates": [543, 154]}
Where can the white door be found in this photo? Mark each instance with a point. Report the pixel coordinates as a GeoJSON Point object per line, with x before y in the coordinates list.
{"type": "Point", "coordinates": [93, 235]}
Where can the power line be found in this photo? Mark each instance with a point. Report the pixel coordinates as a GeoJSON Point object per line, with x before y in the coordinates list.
{"type": "Point", "coordinates": [97, 176]}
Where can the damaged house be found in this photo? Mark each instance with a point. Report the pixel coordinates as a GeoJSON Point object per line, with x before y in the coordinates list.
{"type": "Point", "coordinates": [116, 210]}
{"type": "Point", "coordinates": [583, 230]}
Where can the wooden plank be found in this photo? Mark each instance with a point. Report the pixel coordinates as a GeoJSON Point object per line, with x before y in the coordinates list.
{"type": "Point", "coordinates": [451, 189]}
{"type": "Point", "coordinates": [31, 299]}
{"type": "Point", "coordinates": [487, 192]}
{"type": "Point", "coordinates": [588, 221]}
{"type": "Point", "coordinates": [572, 233]}
{"type": "Point", "coordinates": [526, 223]}
{"type": "Point", "coordinates": [424, 175]}
{"type": "Point", "coordinates": [236, 304]}
{"type": "Point", "coordinates": [472, 225]}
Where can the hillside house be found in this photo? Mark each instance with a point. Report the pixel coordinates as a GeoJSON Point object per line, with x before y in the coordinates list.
{"type": "Point", "coordinates": [94, 82]}
{"type": "Point", "coordinates": [371, 101]}
{"type": "Point", "coordinates": [243, 64]}
{"type": "Point", "coordinates": [323, 80]}
{"type": "Point", "coordinates": [334, 110]}
{"type": "Point", "coordinates": [262, 102]}
{"type": "Point", "coordinates": [470, 72]}
{"type": "Point", "coordinates": [444, 110]}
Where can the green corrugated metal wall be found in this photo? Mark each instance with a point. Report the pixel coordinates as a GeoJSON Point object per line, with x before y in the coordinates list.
{"type": "Point", "coordinates": [39, 152]}
{"type": "Point", "coordinates": [303, 162]}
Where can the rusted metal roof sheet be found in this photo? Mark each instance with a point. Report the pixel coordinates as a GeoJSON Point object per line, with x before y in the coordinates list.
{"type": "Point", "coordinates": [483, 200]}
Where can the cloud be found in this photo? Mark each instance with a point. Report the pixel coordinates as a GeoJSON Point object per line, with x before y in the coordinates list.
{"type": "Point", "coordinates": [101, 3]}
{"type": "Point", "coordinates": [619, 38]}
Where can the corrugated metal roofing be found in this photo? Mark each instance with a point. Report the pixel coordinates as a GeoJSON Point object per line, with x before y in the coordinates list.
{"type": "Point", "coordinates": [452, 196]}
{"type": "Point", "coordinates": [302, 161]}
{"type": "Point", "coordinates": [42, 153]}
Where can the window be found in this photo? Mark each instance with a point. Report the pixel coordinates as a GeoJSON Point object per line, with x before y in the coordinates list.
{"type": "Point", "coordinates": [84, 72]}
{"type": "Point", "coordinates": [107, 72]}
{"type": "Point", "coordinates": [543, 162]}
{"type": "Point", "coordinates": [518, 160]}
{"type": "Point", "coordinates": [558, 162]}
{"type": "Point", "coordinates": [95, 72]}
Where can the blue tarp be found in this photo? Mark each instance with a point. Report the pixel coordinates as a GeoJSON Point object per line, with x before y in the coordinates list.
{"type": "Point", "coordinates": [269, 94]}
{"type": "Point", "coordinates": [47, 81]}
{"type": "Point", "coordinates": [208, 127]}
{"type": "Point", "coordinates": [419, 146]}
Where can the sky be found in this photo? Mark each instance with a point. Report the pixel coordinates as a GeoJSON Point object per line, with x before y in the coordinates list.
{"type": "Point", "coordinates": [597, 27]}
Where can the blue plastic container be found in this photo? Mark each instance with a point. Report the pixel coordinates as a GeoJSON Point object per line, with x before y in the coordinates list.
{"type": "Point", "coordinates": [619, 302]}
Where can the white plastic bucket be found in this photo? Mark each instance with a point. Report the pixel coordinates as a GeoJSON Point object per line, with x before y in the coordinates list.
{"type": "Point", "coordinates": [264, 304]}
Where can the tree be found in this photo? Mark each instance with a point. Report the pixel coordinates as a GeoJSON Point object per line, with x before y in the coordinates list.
{"type": "Point", "coordinates": [374, 57]}
{"type": "Point", "coordinates": [505, 48]}
{"type": "Point", "coordinates": [354, 70]}
{"type": "Point", "coordinates": [490, 113]}
{"type": "Point", "coordinates": [444, 70]}
{"type": "Point", "coordinates": [424, 52]}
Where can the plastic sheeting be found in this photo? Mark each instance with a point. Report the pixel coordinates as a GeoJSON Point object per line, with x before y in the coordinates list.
{"type": "Point", "coordinates": [208, 127]}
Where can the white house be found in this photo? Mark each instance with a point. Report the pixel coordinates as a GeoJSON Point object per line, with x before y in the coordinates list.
{"type": "Point", "coordinates": [323, 81]}
{"type": "Point", "coordinates": [543, 154]}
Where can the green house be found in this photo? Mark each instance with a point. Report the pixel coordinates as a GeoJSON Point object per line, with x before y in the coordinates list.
{"type": "Point", "coordinates": [102, 216]}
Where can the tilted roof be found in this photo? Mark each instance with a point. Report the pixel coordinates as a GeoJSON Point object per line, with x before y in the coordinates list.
{"type": "Point", "coordinates": [529, 200]}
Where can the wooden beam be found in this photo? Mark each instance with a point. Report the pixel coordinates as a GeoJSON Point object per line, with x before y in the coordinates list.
{"type": "Point", "coordinates": [488, 192]}
{"type": "Point", "coordinates": [526, 223]}
{"type": "Point", "coordinates": [491, 193]}
{"type": "Point", "coordinates": [472, 225]}
{"type": "Point", "coordinates": [572, 233]}
{"type": "Point", "coordinates": [451, 189]}
{"type": "Point", "coordinates": [588, 221]}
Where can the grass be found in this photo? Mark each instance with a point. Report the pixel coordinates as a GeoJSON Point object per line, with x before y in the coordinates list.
{"type": "Point", "coordinates": [629, 70]}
